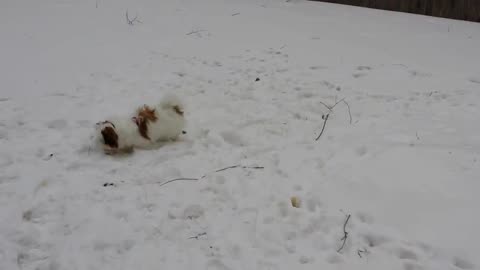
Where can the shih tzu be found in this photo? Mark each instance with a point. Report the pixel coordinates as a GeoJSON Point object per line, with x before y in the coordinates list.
{"type": "Point", "coordinates": [147, 126]}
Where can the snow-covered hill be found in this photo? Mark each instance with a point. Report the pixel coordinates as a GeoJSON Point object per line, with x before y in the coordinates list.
{"type": "Point", "coordinates": [399, 151]}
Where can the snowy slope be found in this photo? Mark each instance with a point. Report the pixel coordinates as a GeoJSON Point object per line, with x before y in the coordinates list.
{"type": "Point", "coordinates": [404, 166]}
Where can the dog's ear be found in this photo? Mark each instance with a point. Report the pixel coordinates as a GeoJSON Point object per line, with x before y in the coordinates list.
{"type": "Point", "coordinates": [110, 137]}
{"type": "Point", "coordinates": [143, 127]}
{"type": "Point", "coordinates": [147, 114]}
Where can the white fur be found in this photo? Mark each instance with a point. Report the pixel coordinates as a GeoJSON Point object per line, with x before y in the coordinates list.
{"type": "Point", "coordinates": [168, 126]}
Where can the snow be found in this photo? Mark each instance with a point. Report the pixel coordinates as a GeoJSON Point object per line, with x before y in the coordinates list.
{"type": "Point", "coordinates": [405, 167]}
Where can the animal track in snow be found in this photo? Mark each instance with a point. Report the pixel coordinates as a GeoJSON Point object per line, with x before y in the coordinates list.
{"type": "Point", "coordinates": [412, 266]}
{"type": "Point", "coordinates": [364, 68]}
{"type": "Point", "coordinates": [317, 67]}
{"type": "Point", "coordinates": [365, 218]}
{"type": "Point", "coordinates": [361, 151]}
{"type": "Point", "coordinates": [416, 73]}
{"type": "Point", "coordinates": [334, 258]}
{"type": "Point", "coordinates": [359, 75]}
{"type": "Point", "coordinates": [57, 124]}
{"type": "Point", "coordinates": [374, 240]}
{"type": "Point", "coordinates": [232, 138]}
{"type": "Point", "coordinates": [406, 254]}
{"type": "Point", "coordinates": [5, 160]}
{"type": "Point", "coordinates": [474, 80]}
{"type": "Point", "coordinates": [362, 71]}
{"type": "Point", "coordinates": [305, 260]}
{"type": "Point", "coordinates": [462, 263]}
{"type": "Point", "coordinates": [193, 211]}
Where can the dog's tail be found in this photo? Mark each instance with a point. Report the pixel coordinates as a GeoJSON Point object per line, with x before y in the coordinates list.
{"type": "Point", "coordinates": [172, 102]}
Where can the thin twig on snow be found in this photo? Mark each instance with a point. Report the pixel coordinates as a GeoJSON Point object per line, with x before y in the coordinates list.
{"type": "Point", "coordinates": [345, 233]}
{"type": "Point", "coordinates": [336, 103]}
{"type": "Point", "coordinates": [239, 166]}
{"type": "Point", "coordinates": [360, 251]}
{"type": "Point", "coordinates": [323, 128]}
{"type": "Point", "coordinates": [233, 167]}
{"type": "Point", "coordinates": [198, 235]}
{"type": "Point", "coordinates": [349, 112]}
{"type": "Point", "coordinates": [177, 179]}
{"type": "Point", "coordinates": [330, 108]}
{"type": "Point", "coordinates": [131, 22]}
{"type": "Point", "coordinates": [205, 175]}
{"type": "Point", "coordinates": [194, 32]}
{"type": "Point", "coordinates": [400, 65]}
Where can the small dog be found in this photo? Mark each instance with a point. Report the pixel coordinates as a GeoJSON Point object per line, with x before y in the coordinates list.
{"type": "Point", "coordinates": [147, 126]}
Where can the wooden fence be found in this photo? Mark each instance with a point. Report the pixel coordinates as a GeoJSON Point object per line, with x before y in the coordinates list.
{"type": "Point", "coordinates": [468, 10]}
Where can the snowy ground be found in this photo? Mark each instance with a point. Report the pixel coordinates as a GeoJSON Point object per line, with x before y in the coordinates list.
{"type": "Point", "coordinates": [405, 166]}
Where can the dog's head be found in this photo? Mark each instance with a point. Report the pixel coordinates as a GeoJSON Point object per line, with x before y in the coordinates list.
{"type": "Point", "coordinates": [109, 136]}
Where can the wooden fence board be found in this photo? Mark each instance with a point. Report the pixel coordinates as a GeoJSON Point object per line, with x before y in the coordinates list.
{"type": "Point", "coordinates": [454, 9]}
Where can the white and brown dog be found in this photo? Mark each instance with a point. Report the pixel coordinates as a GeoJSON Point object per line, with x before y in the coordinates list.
{"type": "Point", "coordinates": [147, 126]}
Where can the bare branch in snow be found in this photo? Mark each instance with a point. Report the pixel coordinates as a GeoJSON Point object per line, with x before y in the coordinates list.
{"type": "Point", "coordinates": [205, 175]}
{"type": "Point", "coordinates": [325, 119]}
{"type": "Point", "coordinates": [330, 108]}
{"type": "Point", "coordinates": [198, 235]}
{"type": "Point", "coordinates": [349, 112]}
{"type": "Point", "coordinates": [402, 65]}
{"type": "Point", "coordinates": [336, 103]}
{"type": "Point", "coordinates": [326, 106]}
{"type": "Point", "coordinates": [233, 167]}
{"type": "Point", "coordinates": [227, 168]}
{"type": "Point", "coordinates": [131, 21]}
{"type": "Point", "coordinates": [345, 233]}
{"type": "Point", "coordinates": [194, 32]}
{"type": "Point", "coordinates": [178, 179]}
{"type": "Point", "coordinates": [239, 166]}
{"type": "Point", "coordinates": [360, 251]}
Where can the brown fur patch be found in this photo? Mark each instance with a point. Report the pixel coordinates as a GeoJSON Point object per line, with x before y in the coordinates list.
{"type": "Point", "coordinates": [110, 137]}
{"type": "Point", "coordinates": [178, 110]}
{"type": "Point", "coordinates": [145, 115]}
{"type": "Point", "coordinates": [143, 128]}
